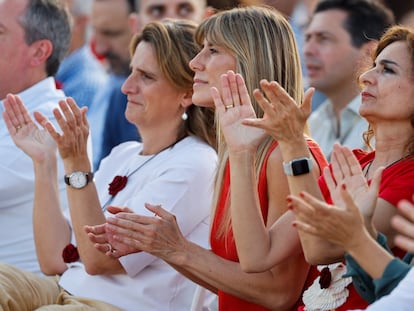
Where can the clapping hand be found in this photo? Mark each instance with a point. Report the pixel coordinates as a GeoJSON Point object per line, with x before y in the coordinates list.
{"type": "Point", "coordinates": [354, 202]}
{"type": "Point", "coordinates": [347, 170]}
{"type": "Point", "coordinates": [128, 233]}
{"type": "Point", "coordinates": [233, 106]}
{"type": "Point", "coordinates": [283, 118]}
{"type": "Point", "coordinates": [103, 237]}
{"type": "Point", "coordinates": [72, 142]}
{"type": "Point", "coordinates": [34, 141]}
{"type": "Point", "coordinates": [338, 225]}
{"type": "Point", "coordinates": [40, 144]}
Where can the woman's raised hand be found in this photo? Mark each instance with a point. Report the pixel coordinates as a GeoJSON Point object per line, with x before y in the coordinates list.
{"type": "Point", "coordinates": [72, 143]}
{"type": "Point", "coordinates": [347, 170]}
{"type": "Point", "coordinates": [283, 119]}
{"type": "Point", "coordinates": [339, 225]}
{"type": "Point", "coordinates": [34, 141]}
{"type": "Point", "coordinates": [233, 106]}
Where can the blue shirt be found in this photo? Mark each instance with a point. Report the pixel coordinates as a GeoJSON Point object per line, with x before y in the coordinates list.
{"type": "Point", "coordinates": [117, 128]}
{"type": "Point", "coordinates": [107, 121]}
{"type": "Point", "coordinates": [82, 76]}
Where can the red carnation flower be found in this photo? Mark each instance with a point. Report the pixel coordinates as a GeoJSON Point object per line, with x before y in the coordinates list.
{"type": "Point", "coordinates": [117, 184]}
{"type": "Point", "coordinates": [325, 278]}
{"type": "Point", "coordinates": [70, 253]}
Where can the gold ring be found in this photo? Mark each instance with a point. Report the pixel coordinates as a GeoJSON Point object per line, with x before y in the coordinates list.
{"type": "Point", "coordinates": [18, 127]}
{"type": "Point", "coordinates": [229, 106]}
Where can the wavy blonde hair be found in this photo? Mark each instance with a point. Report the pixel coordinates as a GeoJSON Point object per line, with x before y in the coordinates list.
{"type": "Point", "coordinates": [264, 46]}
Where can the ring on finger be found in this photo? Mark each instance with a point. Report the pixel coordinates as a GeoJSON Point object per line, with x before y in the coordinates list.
{"type": "Point", "coordinates": [229, 106]}
{"type": "Point", "coordinates": [18, 127]}
{"type": "Point", "coordinates": [110, 249]}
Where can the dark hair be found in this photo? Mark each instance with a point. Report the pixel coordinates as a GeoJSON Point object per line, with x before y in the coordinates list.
{"type": "Point", "coordinates": [131, 6]}
{"type": "Point", "coordinates": [400, 8]}
{"type": "Point", "coordinates": [395, 34]}
{"type": "Point", "coordinates": [50, 20]}
{"type": "Point", "coordinates": [367, 20]}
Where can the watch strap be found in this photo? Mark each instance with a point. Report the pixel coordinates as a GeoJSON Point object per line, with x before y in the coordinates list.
{"type": "Point", "coordinates": [88, 175]}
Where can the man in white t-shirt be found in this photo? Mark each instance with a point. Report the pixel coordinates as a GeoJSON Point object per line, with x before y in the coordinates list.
{"type": "Point", "coordinates": [31, 51]}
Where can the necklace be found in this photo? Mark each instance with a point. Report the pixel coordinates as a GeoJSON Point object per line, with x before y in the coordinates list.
{"type": "Point", "coordinates": [104, 207]}
{"type": "Point", "coordinates": [367, 169]}
{"type": "Point", "coordinates": [368, 166]}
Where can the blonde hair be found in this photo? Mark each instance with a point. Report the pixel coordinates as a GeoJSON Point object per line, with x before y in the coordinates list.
{"type": "Point", "coordinates": [264, 46]}
{"type": "Point", "coordinates": [174, 46]}
{"type": "Point", "coordinates": [394, 34]}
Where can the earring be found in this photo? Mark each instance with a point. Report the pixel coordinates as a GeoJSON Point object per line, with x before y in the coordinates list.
{"type": "Point", "coordinates": [184, 116]}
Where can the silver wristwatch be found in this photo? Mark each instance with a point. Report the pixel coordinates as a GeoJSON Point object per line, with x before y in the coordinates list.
{"type": "Point", "coordinates": [78, 179]}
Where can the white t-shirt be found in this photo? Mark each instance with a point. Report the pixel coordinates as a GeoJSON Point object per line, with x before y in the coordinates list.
{"type": "Point", "coordinates": [181, 179]}
{"type": "Point", "coordinates": [17, 183]}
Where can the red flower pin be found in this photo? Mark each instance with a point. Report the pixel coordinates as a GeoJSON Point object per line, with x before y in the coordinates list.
{"type": "Point", "coordinates": [70, 253]}
{"type": "Point", "coordinates": [117, 184]}
{"type": "Point", "coordinates": [325, 278]}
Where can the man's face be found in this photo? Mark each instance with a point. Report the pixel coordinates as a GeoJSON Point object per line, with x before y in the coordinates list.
{"type": "Point", "coordinates": [16, 55]}
{"type": "Point", "coordinates": [330, 57]}
{"type": "Point", "coordinates": [152, 10]}
{"type": "Point", "coordinates": [112, 30]}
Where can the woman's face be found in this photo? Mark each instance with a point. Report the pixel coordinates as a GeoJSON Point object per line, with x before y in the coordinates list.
{"type": "Point", "coordinates": [388, 90]}
{"type": "Point", "coordinates": [209, 64]}
{"type": "Point", "coordinates": [152, 100]}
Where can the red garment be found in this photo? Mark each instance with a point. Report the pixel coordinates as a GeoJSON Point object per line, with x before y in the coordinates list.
{"type": "Point", "coordinates": [354, 301]}
{"type": "Point", "coordinates": [226, 248]}
{"type": "Point", "coordinates": [397, 183]}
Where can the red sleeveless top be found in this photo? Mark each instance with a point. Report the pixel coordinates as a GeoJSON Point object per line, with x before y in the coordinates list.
{"type": "Point", "coordinates": [226, 247]}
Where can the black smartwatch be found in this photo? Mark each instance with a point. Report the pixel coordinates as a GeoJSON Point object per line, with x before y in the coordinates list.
{"type": "Point", "coordinates": [298, 166]}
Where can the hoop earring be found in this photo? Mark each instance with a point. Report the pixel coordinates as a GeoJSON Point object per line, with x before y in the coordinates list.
{"type": "Point", "coordinates": [184, 116]}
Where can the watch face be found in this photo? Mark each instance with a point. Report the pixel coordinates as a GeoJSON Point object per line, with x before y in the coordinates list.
{"type": "Point", "coordinates": [300, 167]}
{"type": "Point", "coordinates": [78, 180]}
